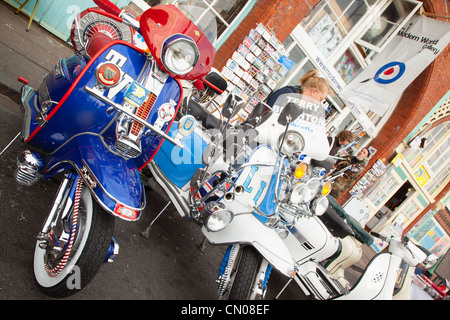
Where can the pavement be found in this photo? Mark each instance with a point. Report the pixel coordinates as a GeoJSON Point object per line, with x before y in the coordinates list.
{"type": "Point", "coordinates": [167, 266]}
{"type": "Point", "coordinates": [29, 54]}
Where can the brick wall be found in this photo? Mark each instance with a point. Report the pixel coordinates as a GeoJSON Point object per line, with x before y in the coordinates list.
{"type": "Point", "coordinates": [281, 16]}
{"type": "Point", "coordinates": [416, 102]}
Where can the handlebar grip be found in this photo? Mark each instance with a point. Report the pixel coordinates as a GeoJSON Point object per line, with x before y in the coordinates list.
{"type": "Point", "coordinates": [379, 236]}
{"type": "Point", "coordinates": [108, 6]}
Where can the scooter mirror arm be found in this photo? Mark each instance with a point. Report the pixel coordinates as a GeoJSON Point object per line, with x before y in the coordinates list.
{"type": "Point", "coordinates": [334, 175]}
{"type": "Point", "coordinates": [119, 107]}
{"type": "Point", "coordinates": [277, 183]}
{"type": "Point", "coordinates": [379, 236]}
{"type": "Point", "coordinates": [130, 21]}
{"type": "Point", "coordinates": [111, 8]}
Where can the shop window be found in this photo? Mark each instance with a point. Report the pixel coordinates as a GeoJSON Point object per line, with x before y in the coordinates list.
{"type": "Point", "coordinates": [225, 11]}
{"type": "Point", "coordinates": [410, 209]}
{"type": "Point", "coordinates": [300, 72]}
{"type": "Point", "coordinates": [432, 159]}
{"type": "Point", "coordinates": [350, 12]}
{"type": "Point", "coordinates": [347, 66]}
{"type": "Point", "coordinates": [335, 25]}
{"type": "Point", "coordinates": [331, 21]}
{"type": "Point", "coordinates": [298, 57]}
{"type": "Point", "coordinates": [383, 188]}
{"type": "Point", "coordinates": [433, 148]}
{"type": "Point", "coordinates": [386, 25]}
{"type": "Point", "coordinates": [414, 157]}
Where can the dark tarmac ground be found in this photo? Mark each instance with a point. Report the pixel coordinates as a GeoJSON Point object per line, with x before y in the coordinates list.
{"type": "Point", "coordinates": [167, 266]}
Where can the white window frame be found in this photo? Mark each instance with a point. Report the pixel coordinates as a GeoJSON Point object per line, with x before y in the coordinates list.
{"type": "Point", "coordinates": [376, 49]}
{"type": "Point", "coordinates": [370, 122]}
{"type": "Point", "coordinates": [210, 7]}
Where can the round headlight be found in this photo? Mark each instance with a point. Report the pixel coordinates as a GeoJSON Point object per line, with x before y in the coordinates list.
{"type": "Point", "coordinates": [305, 192]}
{"type": "Point", "coordinates": [293, 143]}
{"type": "Point", "coordinates": [180, 55]}
{"type": "Point", "coordinates": [216, 216]}
{"type": "Point", "coordinates": [320, 205]}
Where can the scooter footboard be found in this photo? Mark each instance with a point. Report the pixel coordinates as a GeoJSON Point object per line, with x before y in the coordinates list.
{"type": "Point", "coordinates": [378, 280]}
{"type": "Point", "coordinates": [247, 229]}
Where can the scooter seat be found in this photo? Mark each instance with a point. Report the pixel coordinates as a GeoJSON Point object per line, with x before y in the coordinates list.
{"type": "Point", "coordinates": [207, 120]}
{"type": "Point", "coordinates": [97, 42]}
{"type": "Point", "coordinates": [359, 232]}
{"type": "Point", "coordinates": [335, 224]}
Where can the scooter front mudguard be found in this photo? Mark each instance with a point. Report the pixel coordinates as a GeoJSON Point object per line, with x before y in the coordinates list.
{"type": "Point", "coordinates": [247, 229]}
{"type": "Point", "coordinates": [114, 182]}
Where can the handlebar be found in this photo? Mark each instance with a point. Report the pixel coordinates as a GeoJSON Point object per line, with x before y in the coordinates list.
{"type": "Point", "coordinates": [119, 108]}
{"type": "Point", "coordinates": [108, 6]}
{"type": "Point", "coordinates": [379, 236]}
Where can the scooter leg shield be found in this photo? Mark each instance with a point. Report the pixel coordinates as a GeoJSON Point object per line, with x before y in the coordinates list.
{"type": "Point", "coordinates": [350, 254]}
{"type": "Point", "coordinates": [114, 182]}
{"type": "Point", "coordinates": [245, 228]}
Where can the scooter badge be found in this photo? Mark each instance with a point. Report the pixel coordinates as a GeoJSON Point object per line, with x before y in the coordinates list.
{"type": "Point", "coordinates": [108, 75]}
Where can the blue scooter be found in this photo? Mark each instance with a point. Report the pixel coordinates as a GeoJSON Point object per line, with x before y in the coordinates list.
{"type": "Point", "coordinates": [97, 119]}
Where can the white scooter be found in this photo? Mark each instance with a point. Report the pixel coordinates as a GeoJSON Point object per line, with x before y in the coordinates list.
{"type": "Point", "coordinates": [282, 220]}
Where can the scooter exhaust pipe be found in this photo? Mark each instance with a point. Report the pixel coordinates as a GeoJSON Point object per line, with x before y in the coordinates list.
{"type": "Point", "coordinates": [228, 197]}
{"type": "Point", "coordinates": [238, 190]}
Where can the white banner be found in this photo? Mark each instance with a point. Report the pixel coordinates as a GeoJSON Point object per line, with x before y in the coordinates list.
{"type": "Point", "coordinates": [403, 59]}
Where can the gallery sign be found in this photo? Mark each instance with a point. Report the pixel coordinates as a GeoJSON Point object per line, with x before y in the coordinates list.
{"type": "Point", "coordinates": [413, 48]}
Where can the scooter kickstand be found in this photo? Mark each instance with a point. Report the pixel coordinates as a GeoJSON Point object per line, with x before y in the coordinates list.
{"type": "Point", "coordinates": [146, 232]}
{"type": "Point", "coordinates": [202, 245]}
{"type": "Point", "coordinates": [287, 283]}
{"type": "Point", "coordinates": [282, 290]}
{"type": "Point", "coordinates": [9, 144]}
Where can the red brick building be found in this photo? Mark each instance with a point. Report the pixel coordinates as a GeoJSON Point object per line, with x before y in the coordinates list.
{"type": "Point", "coordinates": [416, 103]}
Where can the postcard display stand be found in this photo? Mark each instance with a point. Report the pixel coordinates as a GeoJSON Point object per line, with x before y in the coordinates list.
{"type": "Point", "coordinates": [368, 179]}
{"type": "Point", "coordinates": [255, 68]}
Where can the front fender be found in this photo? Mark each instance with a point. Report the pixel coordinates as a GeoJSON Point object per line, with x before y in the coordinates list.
{"type": "Point", "coordinates": [246, 228]}
{"type": "Point", "coordinates": [114, 182]}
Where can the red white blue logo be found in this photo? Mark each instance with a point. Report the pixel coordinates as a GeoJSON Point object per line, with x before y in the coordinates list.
{"type": "Point", "coordinates": [390, 72]}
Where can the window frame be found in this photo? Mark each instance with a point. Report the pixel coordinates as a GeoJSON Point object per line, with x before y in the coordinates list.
{"type": "Point", "coordinates": [300, 37]}
{"type": "Point", "coordinates": [229, 26]}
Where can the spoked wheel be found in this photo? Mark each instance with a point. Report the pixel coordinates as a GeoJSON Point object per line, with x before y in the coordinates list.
{"type": "Point", "coordinates": [67, 258]}
{"type": "Point", "coordinates": [88, 23]}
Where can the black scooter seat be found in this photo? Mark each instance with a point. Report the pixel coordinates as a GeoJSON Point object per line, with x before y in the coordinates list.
{"type": "Point", "coordinates": [359, 232]}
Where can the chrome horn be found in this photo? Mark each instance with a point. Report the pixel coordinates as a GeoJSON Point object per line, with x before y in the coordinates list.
{"type": "Point", "coordinates": [29, 167]}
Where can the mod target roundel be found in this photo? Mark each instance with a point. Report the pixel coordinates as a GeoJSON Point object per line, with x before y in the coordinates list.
{"type": "Point", "coordinates": [390, 72]}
